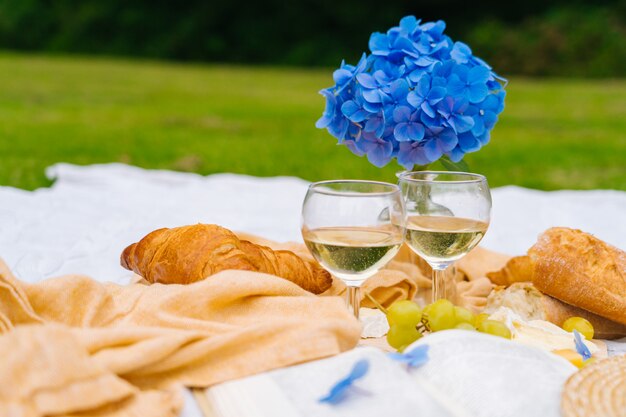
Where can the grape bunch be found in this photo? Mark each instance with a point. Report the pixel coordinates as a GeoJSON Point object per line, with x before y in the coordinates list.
{"type": "Point", "coordinates": [408, 322]}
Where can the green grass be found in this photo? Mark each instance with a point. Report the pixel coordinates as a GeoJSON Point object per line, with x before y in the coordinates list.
{"type": "Point", "coordinates": [260, 121]}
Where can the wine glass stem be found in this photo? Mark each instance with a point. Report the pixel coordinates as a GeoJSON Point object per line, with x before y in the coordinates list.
{"type": "Point", "coordinates": [439, 284]}
{"type": "Point", "coordinates": [354, 300]}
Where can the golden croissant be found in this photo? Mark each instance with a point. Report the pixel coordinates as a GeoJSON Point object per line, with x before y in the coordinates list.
{"type": "Point", "coordinates": [187, 254]}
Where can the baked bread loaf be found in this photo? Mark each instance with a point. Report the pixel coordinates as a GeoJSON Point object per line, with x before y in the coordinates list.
{"type": "Point", "coordinates": [187, 254]}
{"type": "Point", "coordinates": [581, 270]}
{"type": "Point", "coordinates": [530, 304]}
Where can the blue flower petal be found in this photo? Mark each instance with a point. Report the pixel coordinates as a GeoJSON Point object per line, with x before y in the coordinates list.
{"type": "Point", "coordinates": [359, 116]}
{"type": "Point", "coordinates": [460, 53]}
{"type": "Point", "coordinates": [491, 103]}
{"type": "Point", "coordinates": [414, 99]}
{"type": "Point", "coordinates": [436, 94]}
{"type": "Point", "coordinates": [432, 150]}
{"type": "Point", "coordinates": [463, 123]}
{"type": "Point", "coordinates": [456, 154]}
{"type": "Point", "coordinates": [581, 348]}
{"type": "Point", "coordinates": [468, 142]}
{"type": "Point", "coordinates": [367, 80]}
{"type": "Point", "coordinates": [427, 108]}
{"type": "Point", "coordinates": [401, 114]}
{"type": "Point", "coordinates": [381, 77]}
{"type": "Point", "coordinates": [354, 132]}
{"type": "Point", "coordinates": [478, 74]}
{"type": "Point", "coordinates": [323, 121]}
{"type": "Point", "coordinates": [399, 89]}
{"type": "Point", "coordinates": [428, 121]}
{"type": "Point", "coordinates": [484, 138]}
{"type": "Point", "coordinates": [372, 96]}
{"type": "Point", "coordinates": [408, 25]}
{"type": "Point", "coordinates": [447, 140]}
{"type": "Point", "coordinates": [342, 76]}
{"type": "Point", "coordinates": [329, 110]}
{"type": "Point", "coordinates": [349, 107]}
{"type": "Point", "coordinates": [414, 358]}
{"type": "Point", "coordinates": [401, 132]}
{"type": "Point", "coordinates": [479, 126]}
{"type": "Point", "coordinates": [379, 44]}
{"type": "Point", "coordinates": [477, 92]}
{"type": "Point", "coordinates": [339, 391]}
{"type": "Point", "coordinates": [372, 107]}
{"type": "Point", "coordinates": [416, 75]}
{"type": "Point", "coordinates": [456, 86]}
{"type": "Point", "coordinates": [490, 119]}
{"type": "Point", "coordinates": [423, 86]}
{"type": "Point", "coordinates": [339, 127]}
{"type": "Point", "coordinates": [350, 144]}
{"type": "Point", "coordinates": [380, 155]}
{"type": "Point", "coordinates": [411, 154]}
{"type": "Point", "coordinates": [375, 125]}
{"type": "Point", "coordinates": [416, 131]}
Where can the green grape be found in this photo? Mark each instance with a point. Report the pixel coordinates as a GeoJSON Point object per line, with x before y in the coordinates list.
{"type": "Point", "coordinates": [441, 315]}
{"type": "Point", "coordinates": [495, 328]}
{"type": "Point", "coordinates": [404, 313]}
{"type": "Point", "coordinates": [464, 326]}
{"type": "Point", "coordinates": [480, 318]}
{"type": "Point", "coordinates": [578, 323]}
{"type": "Point", "coordinates": [401, 336]}
{"type": "Point", "coordinates": [463, 315]}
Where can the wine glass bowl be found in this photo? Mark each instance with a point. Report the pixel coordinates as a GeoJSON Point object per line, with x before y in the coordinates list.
{"type": "Point", "coordinates": [353, 228]}
{"type": "Point", "coordinates": [448, 214]}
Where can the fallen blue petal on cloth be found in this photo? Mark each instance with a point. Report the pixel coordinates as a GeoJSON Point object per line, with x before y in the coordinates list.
{"type": "Point", "coordinates": [416, 357]}
{"type": "Point", "coordinates": [580, 346]}
{"type": "Point", "coordinates": [339, 391]}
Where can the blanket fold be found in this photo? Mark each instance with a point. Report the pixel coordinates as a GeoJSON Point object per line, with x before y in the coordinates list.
{"type": "Point", "coordinates": [71, 340]}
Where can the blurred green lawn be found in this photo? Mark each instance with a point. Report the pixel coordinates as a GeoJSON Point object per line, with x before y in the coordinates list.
{"type": "Point", "coordinates": [260, 121]}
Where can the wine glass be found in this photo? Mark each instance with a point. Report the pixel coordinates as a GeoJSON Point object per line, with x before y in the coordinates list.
{"type": "Point", "coordinates": [447, 215]}
{"type": "Point", "coordinates": [353, 228]}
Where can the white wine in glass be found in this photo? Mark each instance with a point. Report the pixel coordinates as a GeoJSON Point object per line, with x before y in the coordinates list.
{"type": "Point", "coordinates": [447, 216]}
{"type": "Point", "coordinates": [443, 238]}
{"type": "Point", "coordinates": [353, 253]}
{"type": "Point", "coordinates": [353, 229]}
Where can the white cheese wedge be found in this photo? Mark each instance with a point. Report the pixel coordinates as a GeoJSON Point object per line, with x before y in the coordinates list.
{"type": "Point", "coordinates": [538, 333]}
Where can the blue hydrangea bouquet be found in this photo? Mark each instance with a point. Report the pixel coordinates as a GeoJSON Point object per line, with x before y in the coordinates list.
{"type": "Point", "coordinates": [417, 97]}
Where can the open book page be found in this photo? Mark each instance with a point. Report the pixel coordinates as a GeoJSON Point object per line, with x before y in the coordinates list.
{"type": "Point", "coordinates": [387, 389]}
{"type": "Point", "coordinates": [468, 374]}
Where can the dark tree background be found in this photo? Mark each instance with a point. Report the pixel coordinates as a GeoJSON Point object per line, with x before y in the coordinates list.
{"type": "Point", "coordinates": [533, 37]}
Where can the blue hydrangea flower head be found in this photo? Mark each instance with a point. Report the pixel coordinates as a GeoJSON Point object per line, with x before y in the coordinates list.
{"type": "Point", "coordinates": [418, 96]}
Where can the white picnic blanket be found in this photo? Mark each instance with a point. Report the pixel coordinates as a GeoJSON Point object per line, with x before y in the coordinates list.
{"type": "Point", "coordinates": [83, 222]}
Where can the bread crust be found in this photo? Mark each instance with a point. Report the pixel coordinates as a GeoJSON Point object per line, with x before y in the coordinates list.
{"type": "Point", "coordinates": [187, 254]}
{"type": "Point", "coordinates": [581, 270]}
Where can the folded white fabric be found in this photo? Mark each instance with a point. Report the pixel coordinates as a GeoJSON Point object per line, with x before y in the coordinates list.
{"type": "Point", "coordinates": [468, 374]}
